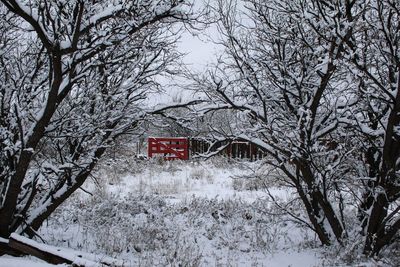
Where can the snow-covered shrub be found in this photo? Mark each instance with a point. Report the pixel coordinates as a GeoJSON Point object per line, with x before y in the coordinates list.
{"type": "Point", "coordinates": [197, 173]}
{"type": "Point", "coordinates": [146, 227]}
{"type": "Point", "coordinates": [248, 183]}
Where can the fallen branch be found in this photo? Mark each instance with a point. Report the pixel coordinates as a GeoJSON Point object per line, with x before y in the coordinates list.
{"type": "Point", "coordinates": [57, 255]}
{"type": "Point", "coordinates": [6, 249]}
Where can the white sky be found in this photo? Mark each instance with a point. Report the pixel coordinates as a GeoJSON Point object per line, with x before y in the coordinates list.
{"type": "Point", "coordinates": [200, 52]}
{"type": "Point", "coordinates": [200, 49]}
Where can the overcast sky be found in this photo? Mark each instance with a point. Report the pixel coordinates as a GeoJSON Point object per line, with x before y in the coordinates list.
{"type": "Point", "coordinates": [200, 49]}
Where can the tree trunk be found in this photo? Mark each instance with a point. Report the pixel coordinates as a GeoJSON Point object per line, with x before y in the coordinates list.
{"type": "Point", "coordinates": [385, 190]}
{"type": "Point", "coordinates": [36, 222]}
{"type": "Point", "coordinates": [322, 206]}
{"type": "Point", "coordinates": [375, 229]}
{"type": "Point", "coordinates": [313, 213]}
{"type": "Point", "coordinates": [9, 204]}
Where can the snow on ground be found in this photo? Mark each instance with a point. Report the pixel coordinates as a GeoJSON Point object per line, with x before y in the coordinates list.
{"type": "Point", "coordinates": [201, 213]}
{"type": "Point", "coordinates": [8, 261]}
{"type": "Point", "coordinates": [198, 179]}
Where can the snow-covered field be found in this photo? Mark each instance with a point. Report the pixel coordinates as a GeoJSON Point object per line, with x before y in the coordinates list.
{"type": "Point", "coordinates": [200, 213]}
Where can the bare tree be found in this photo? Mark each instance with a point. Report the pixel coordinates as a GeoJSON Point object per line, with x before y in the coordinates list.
{"type": "Point", "coordinates": [316, 84]}
{"type": "Point", "coordinates": [374, 64]}
{"type": "Point", "coordinates": [73, 79]}
{"type": "Point", "coordinates": [282, 74]}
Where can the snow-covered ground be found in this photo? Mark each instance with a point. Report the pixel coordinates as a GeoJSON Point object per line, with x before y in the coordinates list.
{"type": "Point", "coordinates": [9, 261]}
{"type": "Point", "coordinates": [201, 213]}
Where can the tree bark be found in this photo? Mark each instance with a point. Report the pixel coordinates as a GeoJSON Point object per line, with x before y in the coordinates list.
{"type": "Point", "coordinates": [8, 208]}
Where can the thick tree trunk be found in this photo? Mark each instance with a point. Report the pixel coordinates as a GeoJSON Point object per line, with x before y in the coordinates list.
{"type": "Point", "coordinates": [313, 213]}
{"type": "Point", "coordinates": [330, 214]}
{"type": "Point", "coordinates": [8, 208]}
{"type": "Point", "coordinates": [14, 187]}
{"type": "Point", "coordinates": [385, 187]}
{"type": "Point", "coordinates": [322, 206]}
{"type": "Point", "coordinates": [375, 228]}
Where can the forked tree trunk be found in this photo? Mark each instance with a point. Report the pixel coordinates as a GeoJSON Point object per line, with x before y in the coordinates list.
{"type": "Point", "coordinates": [314, 213]}
{"type": "Point", "coordinates": [385, 189]}
{"type": "Point", "coordinates": [321, 205]}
